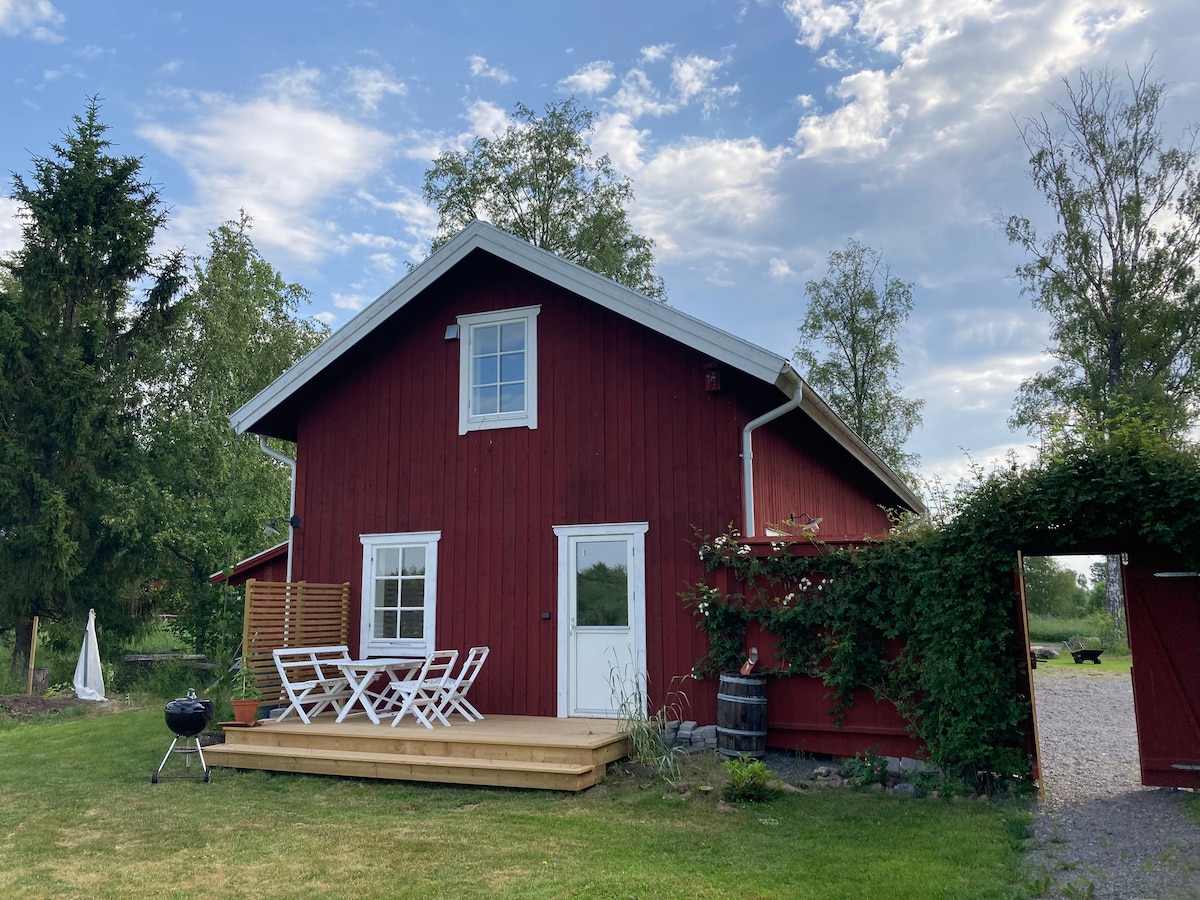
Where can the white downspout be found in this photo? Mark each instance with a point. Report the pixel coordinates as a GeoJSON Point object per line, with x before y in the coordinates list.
{"type": "Point", "coordinates": [291, 463]}
{"type": "Point", "coordinates": [748, 455]}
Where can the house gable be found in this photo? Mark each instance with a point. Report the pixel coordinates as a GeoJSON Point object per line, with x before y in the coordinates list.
{"type": "Point", "coordinates": [275, 411]}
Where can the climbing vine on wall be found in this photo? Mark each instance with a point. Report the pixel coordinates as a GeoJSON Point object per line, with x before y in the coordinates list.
{"type": "Point", "coordinates": [924, 618]}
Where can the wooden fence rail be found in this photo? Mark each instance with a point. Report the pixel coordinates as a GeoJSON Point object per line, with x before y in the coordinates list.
{"type": "Point", "coordinates": [290, 614]}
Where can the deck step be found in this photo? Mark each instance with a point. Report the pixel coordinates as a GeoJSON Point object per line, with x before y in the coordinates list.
{"type": "Point", "coordinates": [435, 744]}
{"type": "Point", "coordinates": [409, 767]}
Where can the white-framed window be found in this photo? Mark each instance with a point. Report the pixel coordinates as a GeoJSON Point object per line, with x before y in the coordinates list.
{"type": "Point", "coordinates": [399, 593]}
{"type": "Point", "coordinates": [497, 382]}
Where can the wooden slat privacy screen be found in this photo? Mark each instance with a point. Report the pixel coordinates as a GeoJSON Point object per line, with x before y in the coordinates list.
{"type": "Point", "coordinates": [290, 614]}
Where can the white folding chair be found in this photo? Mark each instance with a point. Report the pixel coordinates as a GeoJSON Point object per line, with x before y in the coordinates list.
{"type": "Point", "coordinates": [419, 694]}
{"type": "Point", "coordinates": [454, 696]}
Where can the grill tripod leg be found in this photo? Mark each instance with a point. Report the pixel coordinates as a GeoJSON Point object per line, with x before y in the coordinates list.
{"type": "Point", "coordinates": [155, 773]}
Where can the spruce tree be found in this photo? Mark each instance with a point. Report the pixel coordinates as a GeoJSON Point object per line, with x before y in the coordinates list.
{"type": "Point", "coordinates": [85, 308]}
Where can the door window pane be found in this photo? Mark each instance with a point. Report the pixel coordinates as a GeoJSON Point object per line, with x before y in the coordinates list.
{"type": "Point", "coordinates": [601, 584]}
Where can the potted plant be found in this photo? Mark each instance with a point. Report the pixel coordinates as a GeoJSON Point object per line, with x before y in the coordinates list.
{"type": "Point", "coordinates": [245, 695]}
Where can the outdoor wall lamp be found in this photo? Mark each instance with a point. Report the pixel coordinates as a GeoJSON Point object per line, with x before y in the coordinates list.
{"type": "Point", "coordinates": [809, 522]}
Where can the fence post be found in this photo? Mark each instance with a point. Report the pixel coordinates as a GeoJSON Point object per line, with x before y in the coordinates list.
{"type": "Point", "coordinates": [32, 653]}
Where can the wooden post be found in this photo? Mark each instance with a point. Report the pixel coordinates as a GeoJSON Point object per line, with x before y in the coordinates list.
{"type": "Point", "coordinates": [32, 652]}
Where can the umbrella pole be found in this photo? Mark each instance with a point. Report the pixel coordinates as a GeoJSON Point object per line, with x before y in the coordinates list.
{"type": "Point", "coordinates": [32, 651]}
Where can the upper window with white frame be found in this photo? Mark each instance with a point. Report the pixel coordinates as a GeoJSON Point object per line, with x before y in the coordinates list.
{"type": "Point", "coordinates": [498, 370]}
{"type": "Point", "coordinates": [399, 593]}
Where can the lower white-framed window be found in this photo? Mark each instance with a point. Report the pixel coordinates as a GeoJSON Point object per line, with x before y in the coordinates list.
{"type": "Point", "coordinates": [399, 593]}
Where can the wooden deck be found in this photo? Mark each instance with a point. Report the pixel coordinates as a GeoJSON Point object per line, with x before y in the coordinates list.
{"type": "Point", "coordinates": [501, 751]}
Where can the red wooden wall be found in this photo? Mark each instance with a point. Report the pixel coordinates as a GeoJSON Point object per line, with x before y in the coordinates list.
{"type": "Point", "coordinates": [626, 432]}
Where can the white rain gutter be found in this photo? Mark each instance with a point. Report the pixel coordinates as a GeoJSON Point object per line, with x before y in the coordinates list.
{"type": "Point", "coordinates": [290, 463]}
{"type": "Point", "coordinates": [748, 454]}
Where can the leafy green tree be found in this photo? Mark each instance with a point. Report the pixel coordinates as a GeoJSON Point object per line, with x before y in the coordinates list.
{"type": "Point", "coordinates": [1051, 590]}
{"type": "Point", "coordinates": [1117, 276]}
{"type": "Point", "coordinates": [216, 488]}
{"type": "Point", "coordinates": [853, 313]}
{"type": "Point", "coordinates": [603, 595]}
{"type": "Point", "coordinates": [1097, 590]}
{"type": "Point", "coordinates": [539, 181]}
{"type": "Point", "coordinates": [77, 346]}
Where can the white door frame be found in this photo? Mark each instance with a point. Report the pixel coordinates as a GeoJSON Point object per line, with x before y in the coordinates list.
{"type": "Point", "coordinates": [635, 534]}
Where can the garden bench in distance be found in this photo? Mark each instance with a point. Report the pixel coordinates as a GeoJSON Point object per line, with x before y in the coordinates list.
{"type": "Point", "coordinates": [1081, 654]}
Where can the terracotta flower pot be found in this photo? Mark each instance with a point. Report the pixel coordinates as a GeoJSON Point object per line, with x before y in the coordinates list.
{"type": "Point", "coordinates": [245, 711]}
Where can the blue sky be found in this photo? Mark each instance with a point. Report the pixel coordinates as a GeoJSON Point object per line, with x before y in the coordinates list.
{"type": "Point", "coordinates": [759, 137]}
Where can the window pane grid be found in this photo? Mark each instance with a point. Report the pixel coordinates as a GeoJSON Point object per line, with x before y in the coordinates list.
{"type": "Point", "coordinates": [498, 369]}
{"type": "Point", "coordinates": [399, 599]}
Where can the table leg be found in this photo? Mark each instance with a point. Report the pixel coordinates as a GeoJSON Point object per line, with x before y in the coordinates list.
{"type": "Point", "coordinates": [360, 687]}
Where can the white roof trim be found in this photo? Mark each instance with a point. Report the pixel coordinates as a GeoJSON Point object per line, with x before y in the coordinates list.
{"type": "Point", "coordinates": [713, 342]}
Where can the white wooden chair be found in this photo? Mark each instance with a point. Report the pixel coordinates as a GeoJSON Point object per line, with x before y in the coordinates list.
{"type": "Point", "coordinates": [454, 695]}
{"type": "Point", "coordinates": [419, 693]}
{"type": "Point", "coordinates": [310, 678]}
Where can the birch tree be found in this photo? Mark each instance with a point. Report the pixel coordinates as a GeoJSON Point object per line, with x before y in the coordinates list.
{"type": "Point", "coordinates": [540, 181]}
{"type": "Point", "coordinates": [848, 350]}
{"type": "Point", "coordinates": [1117, 273]}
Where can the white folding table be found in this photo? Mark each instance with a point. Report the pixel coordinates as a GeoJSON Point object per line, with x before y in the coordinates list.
{"type": "Point", "coordinates": [361, 672]}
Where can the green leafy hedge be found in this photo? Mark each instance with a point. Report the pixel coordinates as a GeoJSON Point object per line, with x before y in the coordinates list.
{"type": "Point", "coordinates": [927, 618]}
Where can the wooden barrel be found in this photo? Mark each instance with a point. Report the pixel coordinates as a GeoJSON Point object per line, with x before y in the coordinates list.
{"type": "Point", "coordinates": [742, 715]}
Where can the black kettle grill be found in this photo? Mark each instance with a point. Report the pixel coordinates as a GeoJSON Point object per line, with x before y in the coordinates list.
{"type": "Point", "coordinates": [187, 717]}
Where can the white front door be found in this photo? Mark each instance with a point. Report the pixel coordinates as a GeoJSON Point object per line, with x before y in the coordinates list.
{"type": "Point", "coordinates": [602, 619]}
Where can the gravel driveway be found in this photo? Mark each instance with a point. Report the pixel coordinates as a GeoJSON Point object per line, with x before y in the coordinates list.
{"type": "Point", "coordinates": [1099, 828]}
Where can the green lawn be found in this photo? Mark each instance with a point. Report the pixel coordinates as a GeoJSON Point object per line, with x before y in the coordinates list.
{"type": "Point", "coordinates": [80, 818]}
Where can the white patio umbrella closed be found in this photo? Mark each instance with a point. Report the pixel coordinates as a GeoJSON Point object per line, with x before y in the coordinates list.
{"type": "Point", "coordinates": [89, 680]}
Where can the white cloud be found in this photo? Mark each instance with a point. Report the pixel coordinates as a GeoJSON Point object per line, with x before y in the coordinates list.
{"type": "Point", "coordinates": [32, 18]}
{"type": "Point", "coordinates": [279, 156]}
{"type": "Point", "coordinates": [951, 471]}
{"type": "Point", "coordinates": [980, 384]}
{"type": "Point", "coordinates": [300, 85]}
{"type": "Point", "coordinates": [975, 329]}
{"type": "Point", "coordinates": [692, 78]}
{"type": "Point", "coordinates": [384, 262]}
{"type": "Point", "coordinates": [171, 67]}
{"type": "Point", "coordinates": [353, 302]}
{"type": "Point", "coordinates": [861, 127]}
{"type": "Point", "coordinates": [487, 119]}
{"type": "Point", "coordinates": [778, 269]}
{"type": "Point", "coordinates": [418, 221]}
{"type": "Point", "coordinates": [818, 20]}
{"type": "Point", "coordinates": [10, 226]}
{"type": "Point", "coordinates": [639, 97]}
{"type": "Point", "coordinates": [703, 197]}
{"type": "Point", "coordinates": [956, 62]}
{"type": "Point", "coordinates": [594, 78]}
{"type": "Point", "coordinates": [481, 69]}
{"type": "Point", "coordinates": [656, 52]}
{"type": "Point", "coordinates": [325, 318]}
{"type": "Point", "coordinates": [370, 86]}
{"type": "Point", "coordinates": [833, 60]}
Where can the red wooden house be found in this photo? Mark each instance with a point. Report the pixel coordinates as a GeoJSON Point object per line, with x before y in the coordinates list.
{"type": "Point", "coordinates": [507, 449]}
